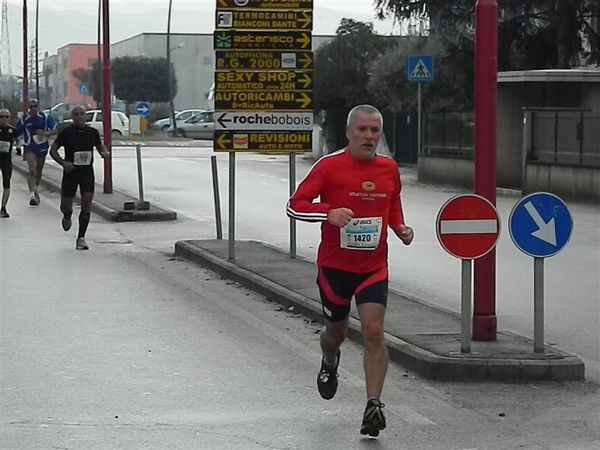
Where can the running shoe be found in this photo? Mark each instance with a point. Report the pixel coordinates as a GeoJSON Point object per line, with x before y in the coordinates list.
{"type": "Point", "coordinates": [66, 223]}
{"type": "Point", "coordinates": [80, 244]}
{"type": "Point", "coordinates": [33, 201]}
{"type": "Point", "coordinates": [37, 198]}
{"type": "Point", "coordinates": [327, 378]}
{"type": "Point", "coordinates": [373, 419]}
{"type": "Point", "coordinates": [4, 214]}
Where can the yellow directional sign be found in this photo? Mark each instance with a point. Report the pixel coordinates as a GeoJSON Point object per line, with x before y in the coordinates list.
{"type": "Point", "coordinates": [266, 40]}
{"type": "Point", "coordinates": [263, 101]}
{"type": "Point", "coordinates": [267, 4]}
{"type": "Point", "coordinates": [263, 60]}
{"type": "Point", "coordinates": [263, 81]}
{"type": "Point", "coordinates": [263, 141]}
{"type": "Point", "coordinates": [259, 19]}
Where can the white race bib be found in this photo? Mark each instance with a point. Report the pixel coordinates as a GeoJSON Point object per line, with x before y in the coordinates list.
{"type": "Point", "coordinates": [4, 147]}
{"type": "Point", "coordinates": [39, 139]}
{"type": "Point", "coordinates": [82, 158]}
{"type": "Point", "coordinates": [361, 233]}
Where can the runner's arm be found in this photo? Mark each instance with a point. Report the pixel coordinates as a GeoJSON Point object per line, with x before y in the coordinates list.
{"type": "Point", "coordinates": [68, 166]}
{"type": "Point", "coordinates": [104, 153]}
{"type": "Point", "coordinates": [404, 232]}
{"type": "Point", "coordinates": [301, 205]}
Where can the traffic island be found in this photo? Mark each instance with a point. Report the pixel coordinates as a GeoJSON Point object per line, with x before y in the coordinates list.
{"type": "Point", "coordinates": [109, 206]}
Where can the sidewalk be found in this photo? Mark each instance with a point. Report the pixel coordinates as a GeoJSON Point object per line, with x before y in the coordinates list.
{"type": "Point", "coordinates": [421, 337]}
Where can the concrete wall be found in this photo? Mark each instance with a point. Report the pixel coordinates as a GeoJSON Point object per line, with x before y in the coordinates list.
{"type": "Point", "coordinates": [565, 181]}
{"type": "Point", "coordinates": [450, 171]}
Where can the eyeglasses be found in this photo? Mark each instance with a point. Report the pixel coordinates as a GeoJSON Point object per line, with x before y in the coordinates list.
{"type": "Point", "coordinates": [4, 117]}
{"type": "Point", "coordinates": [33, 106]}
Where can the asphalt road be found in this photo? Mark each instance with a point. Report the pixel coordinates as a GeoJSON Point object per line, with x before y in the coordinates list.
{"type": "Point", "coordinates": [125, 347]}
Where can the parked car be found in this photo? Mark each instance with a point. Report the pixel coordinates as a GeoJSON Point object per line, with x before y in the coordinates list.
{"type": "Point", "coordinates": [199, 126]}
{"type": "Point", "coordinates": [60, 111]}
{"type": "Point", "coordinates": [119, 125]}
{"type": "Point", "coordinates": [165, 123]}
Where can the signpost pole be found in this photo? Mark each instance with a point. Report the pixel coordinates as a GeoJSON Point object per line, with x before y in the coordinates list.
{"type": "Point", "coordinates": [231, 237]}
{"type": "Point", "coordinates": [217, 197]}
{"type": "Point", "coordinates": [138, 154]}
{"type": "Point", "coordinates": [465, 307]}
{"type": "Point", "coordinates": [538, 305]}
{"type": "Point", "coordinates": [292, 190]}
{"type": "Point", "coordinates": [540, 225]}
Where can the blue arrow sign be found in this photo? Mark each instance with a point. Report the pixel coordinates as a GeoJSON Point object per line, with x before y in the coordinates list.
{"type": "Point", "coordinates": [540, 225]}
{"type": "Point", "coordinates": [420, 68]}
{"type": "Point", "coordinates": [143, 109]}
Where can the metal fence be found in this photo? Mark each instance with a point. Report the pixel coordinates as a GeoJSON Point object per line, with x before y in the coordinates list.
{"type": "Point", "coordinates": [448, 135]}
{"type": "Point", "coordinates": [565, 137]}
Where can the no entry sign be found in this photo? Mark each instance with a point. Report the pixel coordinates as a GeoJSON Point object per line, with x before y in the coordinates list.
{"type": "Point", "coordinates": [468, 226]}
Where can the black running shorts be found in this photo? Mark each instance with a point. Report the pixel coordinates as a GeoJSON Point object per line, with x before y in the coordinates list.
{"type": "Point", "coordinates": [338, 286]}
{"type": "Point", "coordinates": [82, 177]}
{"type": "Point", "coordinates": [6, 166]}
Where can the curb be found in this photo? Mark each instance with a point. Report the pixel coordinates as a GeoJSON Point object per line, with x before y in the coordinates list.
{"type": "Point", "coordinates": [153, 215]}
{"type": "Point", "coordinates": [417, 359]}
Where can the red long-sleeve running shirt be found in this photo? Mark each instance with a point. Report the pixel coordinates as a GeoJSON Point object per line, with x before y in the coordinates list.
{"type": "Point", "coordinates": [371, 189]}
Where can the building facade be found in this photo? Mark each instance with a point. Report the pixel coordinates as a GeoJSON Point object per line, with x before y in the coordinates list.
{"type": "Point", "coordinates": [59, 82]}
{"type": "Point", "coordinates": [192, 57]}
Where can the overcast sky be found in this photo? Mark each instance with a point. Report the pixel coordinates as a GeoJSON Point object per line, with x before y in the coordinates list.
{"type": "Point", "coordinates": [360, 6]}
{"type": "Point", "coordinates": [75, 21]}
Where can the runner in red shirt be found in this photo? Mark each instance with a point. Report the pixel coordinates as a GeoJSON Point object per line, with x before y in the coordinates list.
{"type": "Point", "coordinates": [359, 194]}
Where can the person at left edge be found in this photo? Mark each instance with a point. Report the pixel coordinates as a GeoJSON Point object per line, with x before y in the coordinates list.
{"type": "Point", "coordinates": [78, 141]}
{"type": "Point", "coordinates": [7, 136]}
{"type": "Point", "coordinates": [36, 127]}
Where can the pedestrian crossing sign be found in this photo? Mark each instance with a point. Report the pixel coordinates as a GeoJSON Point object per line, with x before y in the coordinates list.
{"type": "Point", "coordinates": [420, 68]}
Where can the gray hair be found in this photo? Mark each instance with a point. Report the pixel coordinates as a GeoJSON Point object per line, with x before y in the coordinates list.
{"type": "Point", "coordinates": [4, 111]}
{"type": "Point", "coordinates": [367, 109]}
{"type": "Point", "coordinates": [83, 108]}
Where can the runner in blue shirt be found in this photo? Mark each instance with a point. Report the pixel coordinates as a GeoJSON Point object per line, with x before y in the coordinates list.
{"type": "Point", "coordinates": [36, 127]}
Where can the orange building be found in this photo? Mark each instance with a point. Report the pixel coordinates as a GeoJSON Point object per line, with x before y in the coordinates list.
{"type": "Point", "coordinates": [61, 84]}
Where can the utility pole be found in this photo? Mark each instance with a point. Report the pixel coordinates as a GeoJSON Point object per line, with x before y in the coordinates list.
{"type": "Point", "coordinates": [106, 103]}
{"type": "Point", "coordinates": [37, 50]}
{"type": "Point", "coordinates": [5, 60]}
{"type": "Point", "coordinates": [25, 45]}
{"type": "Point", "coordinates": [171, 105]}
{"type": "Point", "coordinates": [97, 78]}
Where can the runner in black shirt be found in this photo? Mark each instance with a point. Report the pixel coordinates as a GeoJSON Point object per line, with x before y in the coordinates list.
{"type": "Point", "coordinates": [79, 141]}
{"type": "Point", "coordinates": [7, 136]}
